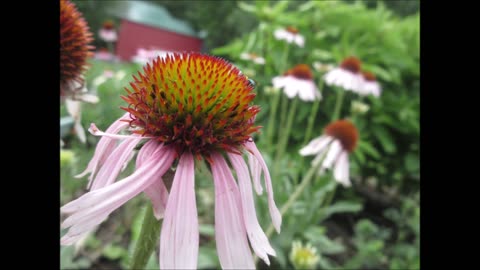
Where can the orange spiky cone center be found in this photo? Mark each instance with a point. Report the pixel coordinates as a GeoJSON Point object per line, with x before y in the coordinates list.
{"type": "Point", "coordinates": [345, 132]}
{"type": "Point", "coordinates": [74, 44]}
{"type": "Point", "coordinates": [292, 30]}
{"type": "Point", "coordinates": [301, 71]}
{"type": "Point", "coordinates": [369, 76]}
{"type": "Point", "coordinates": [198, 103]}
{"type": "Point", "coordinates": [351, 64]}
{"type": "Point", "coordinates": [108, 25]}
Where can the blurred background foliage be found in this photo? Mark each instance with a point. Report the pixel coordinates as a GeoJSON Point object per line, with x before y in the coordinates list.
{"type": "Point", "coordinates": [374, 224]}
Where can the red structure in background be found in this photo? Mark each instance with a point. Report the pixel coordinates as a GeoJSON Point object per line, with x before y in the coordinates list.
{"type": "Point", "coordinates": [134, 35]}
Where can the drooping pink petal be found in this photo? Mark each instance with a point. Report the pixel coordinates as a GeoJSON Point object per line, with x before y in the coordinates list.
{"type": "Point", "coordinates": [230, 233]}
{"type": "Point", "coordinates": [179, 237]}
{"type": "Point", "coordinates": [95, 131]}
{"type": "Point", "coordinates": [115, 163]}
{"type": "Point", "coordinates": [104, 147]}
{"type": "Point", "coordinates": [274, 212]}
{"type": "Point", "coordinates": [258, 239]}
{"type": "Point", "coordinates": [332, 155]}
{"type": "Point", "coordinates": [94, 207]}
{"type": "Point", "coordinates": [256, 172]}
{"type": "Point", "coordinates": [316, 145]}
{"type": "Point", "coordinates": [341, 170]}
{"type": "Point", "coordinates": [157, 192]}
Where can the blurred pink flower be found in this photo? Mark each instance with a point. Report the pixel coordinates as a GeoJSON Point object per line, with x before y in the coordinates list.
{"type": "Point", "coordinates": [298, 81]}
{"type": "Point", "coordinates": [347, 75]}
{"type": "Point", "coordinates": [252, 57]}
{"type": "Point", "coordinates": [290, 35]}
{"type": "Point", "coordinates": [332, 149]}
{"type": "Point", "coordinates": [108, 33]}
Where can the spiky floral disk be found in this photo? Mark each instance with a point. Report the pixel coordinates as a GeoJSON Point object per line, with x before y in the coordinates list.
{"type": "Point", "coordinates": [198, 103]}
{"type": "Point", "coordinates": [345, 132]}
{"type": "Point", "coordinates": [74, 40]}
{"type": "Point", "coordinates": [301, 71]}
{"type": "Point", "coordinates": [351, 64]}
{"type": "Point", "coordinates": [368, 76]}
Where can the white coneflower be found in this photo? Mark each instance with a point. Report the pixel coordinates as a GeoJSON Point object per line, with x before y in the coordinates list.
{"type": "Point", "coordinates": [347, 75]}
{"type": "Point", "coordinates": [108, 33]}
{"type": "Point", "coordinates": [332, 149]}
{"type": "Point", "coordinates": [370, 84]}
{"type": "Point", "coordinates": [298, 81]}
{"type": "Point", "coordinates": [252, 57]}
{"type": "Point", "coordinates": [291, 35]}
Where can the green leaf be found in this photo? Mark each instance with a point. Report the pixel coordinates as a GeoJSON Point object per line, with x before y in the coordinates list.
{"type": "Point", "coordinates": [369, 149]}
{"type": "Point", "coordinates": [385, 139]}
{"type": "Point", "coordinates": [343, 207]}
{"type": "Point", "coordinates": [114, 252]}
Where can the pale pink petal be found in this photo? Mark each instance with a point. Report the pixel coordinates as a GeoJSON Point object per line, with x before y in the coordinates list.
{"type": "Point", "coordinates": [256, 172]}
{"type": "Point", "coordinates": [158, 195]}
{"type": "Point", "coordinates": [179, 238]}
{"type": "Point", "coordinates": [315, 146]}
{"type": "Point", "coordinates": [258, 239]}
{"type": "Point", "coordinates": [104, 147]}
{"type": "Point", "coordinates": [230, 233]}
{"type": "Point", "coordinates": [157, 192]}
{"type": "Point", "coordinates": [341, 170]}
{"type": "Point", "coordinates": [274, 212]}
{"type": "Point", "coordinates": [299, 40]}
{"type": "Point", "coordinates": [333, 152]}
{"type": "Point", "coordinates": [95, 131]}
{"type": "Point", "coordinates": [94, 207]}
{"type": "Point", "coordinates": [115, 163]}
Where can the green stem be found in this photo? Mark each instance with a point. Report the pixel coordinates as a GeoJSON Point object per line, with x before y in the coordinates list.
{"type": "Point", "coordinates": [271, 118]}
{"type": "Point", "coordinates": [147, 240]}
{"type": "Point", "coordinates": [313, 114]}
{"type": "Point", "coordinates": [295, 195]}
{"type": "Point", "coordinates": [338, 104]}
{"type": "Point", "coordinates": [284, 135]}
{"type": "Point", "coordinates": [150, 231]}
{"type": "Point", "coordinates": [329, 197]}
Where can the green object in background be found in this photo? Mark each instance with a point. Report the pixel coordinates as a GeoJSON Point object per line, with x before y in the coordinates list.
{"type": "Point", "coordinates": [66, 125]}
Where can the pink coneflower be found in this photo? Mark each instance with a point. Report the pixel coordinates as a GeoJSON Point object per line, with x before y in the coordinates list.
{"type": "Point", "coordinates": [253, 57]}
{"type": "Point", "coordinates": [183, 107]}
{"type": "Point", "coordinates": [103, 54]}
{"type": "Point", "coordinates": [108, 33]}
{"type": "Point", "coordinates": [144, 56]}
{"type": "Point", "coordinates": [347, 76]}
{"type": "Point", "coordinates": [370, 84]}
{"type": "Point", "coordinates": [298, 81]}
{"type": "Point", "coordinates": [332, 149]}
{"type": "Point", "coordinates": [290, 35]}
{"type": "Point", "coordinates": [74, 51]}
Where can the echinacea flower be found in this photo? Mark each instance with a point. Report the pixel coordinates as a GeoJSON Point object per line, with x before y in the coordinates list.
{"type": "Point", "coordinates": [252, 57]}
{"type": "Point", "coordinates": [332, 149]}
{"type": "Point", "coordinates": [370, 84]}
{"type": "Point", "coordinates": [303, 256]}
{"type": "Point", "coordinates": [347, 75]}
{"type": "Point", "coordinates": [108, 33]}
{"type": "Point", "coordinates": [104, 54]}
{"type": "Point", "coordinates": [181, 108]}
{"type": "Point", "coordinates": [74, 51]}
{"type": "Point", "coordinates": [298, 81]}
{"type": "Point", "coordinates": [290, 35]}
{"type": "Point", "coordinates": [144, 56]}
